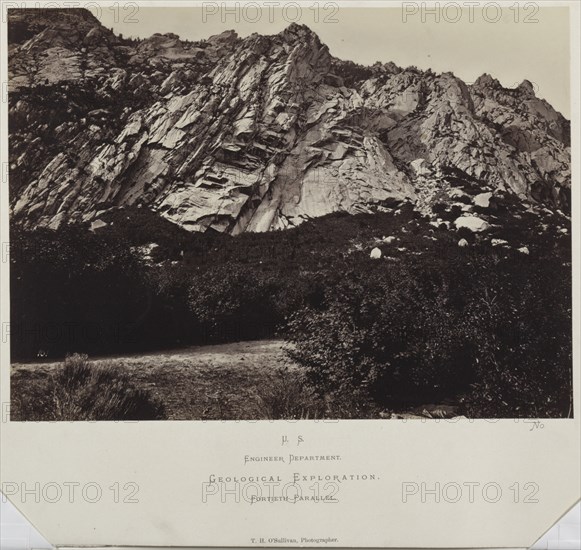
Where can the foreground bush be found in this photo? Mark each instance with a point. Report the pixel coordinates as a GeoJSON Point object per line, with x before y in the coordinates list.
{"type": "Point", "coordinates": [385, 337]}
{"type": "Point", "coordinates": [494, 335]}
{"type": "Point", "coordinates": [520, 323]}
{"type": "Point", "coordinates": [79, 390]}
{"type": "Point", "coordinates": [288, 396]}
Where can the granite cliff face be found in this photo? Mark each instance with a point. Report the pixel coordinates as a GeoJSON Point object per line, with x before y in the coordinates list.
{"type": "Point", "coordinates": [258, 133]}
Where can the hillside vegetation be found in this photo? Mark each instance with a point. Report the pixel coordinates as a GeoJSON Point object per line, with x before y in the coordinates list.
{"type": "Point", "coordinates": [430, 320]}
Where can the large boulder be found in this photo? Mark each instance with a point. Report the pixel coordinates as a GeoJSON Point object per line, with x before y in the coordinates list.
{"type": "Point", "coordinates": [483, 200]}
{"type": "Point", "coordinates": [473, 223]}
{"type": "Point", "coordinates": [375, 254]}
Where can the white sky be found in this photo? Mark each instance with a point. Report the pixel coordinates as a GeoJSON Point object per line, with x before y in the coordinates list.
{"type": "Point", "coordinates": [510, 49]}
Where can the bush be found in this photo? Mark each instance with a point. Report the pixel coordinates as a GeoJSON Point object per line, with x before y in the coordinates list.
{"type": "Point", "coordinates": [520, 323]}
{"type": "Point", "coordinates": [79, 390]}
{"type": "Point", "coordinates": [91, 295]}
{"type": "Point", "coordinates": [288, 396]}
{"type": "Point", "coordinates": [492, 333]}
{"type": "Point", "coordinates": [387, 336]}
{"type": "Point", "coordinates": [234, 304]}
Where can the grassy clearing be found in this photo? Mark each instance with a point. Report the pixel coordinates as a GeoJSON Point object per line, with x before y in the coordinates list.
{"type": "Point", "coordinates": [221, 382]}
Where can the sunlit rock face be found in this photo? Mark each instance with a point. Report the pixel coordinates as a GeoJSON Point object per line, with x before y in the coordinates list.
{"type": "Point", "coordinates": [254, 134]}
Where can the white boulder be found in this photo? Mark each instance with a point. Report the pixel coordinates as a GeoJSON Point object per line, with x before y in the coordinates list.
{"type": "Point", "coordinates": [375, 254]}
{"type": "Point", "coordinates": [462, 243]}
{"type": "Point", "coordinates": [524, 250]}
{"type": "Point", "coordinates": [483, 200]}
{"type": "Point", "coordinates": [97, 224]}
{"type": "Point", "coordinates": [473, 223]}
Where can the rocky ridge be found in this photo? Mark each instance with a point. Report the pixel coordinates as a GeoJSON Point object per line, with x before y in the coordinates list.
{"type": "Point", "coordinates": [259, 133]}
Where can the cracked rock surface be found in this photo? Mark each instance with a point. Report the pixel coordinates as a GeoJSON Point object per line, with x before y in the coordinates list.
{"type": "Point", "coordinates": [258, 133]}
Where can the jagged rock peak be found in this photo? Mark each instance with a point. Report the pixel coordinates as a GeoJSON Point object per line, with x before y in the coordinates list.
{"type": "Point", "coordinates": [526, 87]}
{"type": "Point", "coordinates": [295, 32]}
{"type": "Point", "coordinates": [226, 36]}
{"type": "Point", "coordinates": [24, 24]}
{"type": "Point", "coordinates": [54, 15]}
{"type": "Point", "coordinates": [487, 81]}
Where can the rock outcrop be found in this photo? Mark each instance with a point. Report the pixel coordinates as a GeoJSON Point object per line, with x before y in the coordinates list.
{"type": "Point", "coordinates": [259, 133]}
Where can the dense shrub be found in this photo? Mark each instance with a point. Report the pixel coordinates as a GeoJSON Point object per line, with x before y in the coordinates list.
{"type": "Point", "coordinates": [520, 323]}
{"type": "Point", "coordinates": [74, 291]}
{"type": "Point", "coordinates": [234, 304]}
{"type": "Point", "coordinates": [387, 335]}
{"type": "Point", "coordinates": [241, 302]}
{"type": "Point", "coordinates": [496, 332]}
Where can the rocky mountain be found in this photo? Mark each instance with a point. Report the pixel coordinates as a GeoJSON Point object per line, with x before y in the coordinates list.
{"type": "Point", "coordinates": [258, 133]}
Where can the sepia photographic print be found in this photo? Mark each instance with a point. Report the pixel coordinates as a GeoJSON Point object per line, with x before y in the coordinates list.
{"type": "Point", "coordinates": [289, 214]}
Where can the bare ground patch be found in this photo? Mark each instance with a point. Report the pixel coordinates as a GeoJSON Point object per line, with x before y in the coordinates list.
{"type": "Point", "coordinates": [218, 382]}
